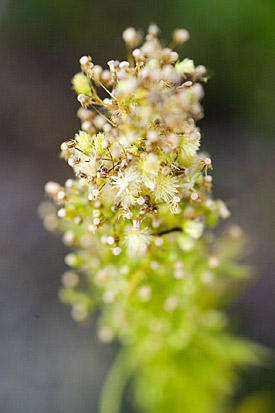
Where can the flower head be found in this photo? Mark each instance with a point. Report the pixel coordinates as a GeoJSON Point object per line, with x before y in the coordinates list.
{"type": "Point", "coordinates": [166, 188]}
{"type": "Point", "coordinates": [127, 186]}
{"type": "Point", "coordinates": [137, 240]}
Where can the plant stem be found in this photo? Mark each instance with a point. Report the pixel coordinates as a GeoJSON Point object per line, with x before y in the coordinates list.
{"type": "Point", "coordinates": [167, 231]}
{"type": "Point", "coordinates": [113, 388]}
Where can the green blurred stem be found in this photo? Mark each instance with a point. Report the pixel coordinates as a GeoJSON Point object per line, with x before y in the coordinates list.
{"type": "Point", "coordinates": [167, 231]}
{"type": "Point", "coordinates": [113, 388]}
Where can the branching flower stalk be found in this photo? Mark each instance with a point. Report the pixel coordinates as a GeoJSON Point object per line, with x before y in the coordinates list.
{"type": "Point", "coordinates": [139, 218]}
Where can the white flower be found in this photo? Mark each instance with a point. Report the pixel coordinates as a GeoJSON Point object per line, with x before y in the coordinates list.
{"type": "Point", "coordinates": [128, 86]}
{"type": "Point", "coordinates": [137, 240]}
{"type": "Point", "coordinates": [193, 228]}
{"type": "Point", "coordinates": [181, 36]}
{"type": "Point", "coordinates": [174, 205]}
{"type": "Point", "coordinates": [149, 182]}
{"type": "Point", "coordinates": [190, 144]}
{"type": "Point", "coordinates": [117, 251]}
{"type": "Point", "coordinates": [166, 188]}
{"type": "Point", "coordinates": [130, 36]}
{"type": "Point", "coordinates": [127, 184]}
{"type": "Point", "coordinates": [184, 67]}
{"type": "Point", "coordinates": [52, 188]}
{"type": "Point", "coordinates": [126, 214]}
{"type": "Point", "coordinates": [190, 182]}
{"type": "Point", "coordinates": [150, 164]}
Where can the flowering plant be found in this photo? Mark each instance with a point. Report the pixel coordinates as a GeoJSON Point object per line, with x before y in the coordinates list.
{"type": "Point", "coordinates": [139, 217]}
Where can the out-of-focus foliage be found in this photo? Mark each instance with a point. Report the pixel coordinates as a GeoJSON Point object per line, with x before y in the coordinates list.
{"type": "Point", "coordinates": [140, 217]}
{"type": "Point", "coordinates": [255, 403]}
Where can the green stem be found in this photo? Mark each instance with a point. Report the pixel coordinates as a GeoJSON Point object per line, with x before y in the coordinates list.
{"type": "Point", "coordinates": [167, 231]}
{"type": "Point", "coordinates": [113, 388]}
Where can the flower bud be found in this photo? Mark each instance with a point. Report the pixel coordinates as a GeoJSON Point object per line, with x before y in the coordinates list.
{"type": "Point", "coordinates": [84, 100]}
{"type": "Point", "coordinates": [81, 84]}
{"type": "Point", "coordinates": [130, 36]}
{"type": "Point", "coordinates": [117, 251]}
{"type": "Point", "coordinates": [181, 36]}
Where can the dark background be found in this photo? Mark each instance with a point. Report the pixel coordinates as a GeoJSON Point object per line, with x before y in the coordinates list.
{"type": "Point", "coordinates": [47, 362]}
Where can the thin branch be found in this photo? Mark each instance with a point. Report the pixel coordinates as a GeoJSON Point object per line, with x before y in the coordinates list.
{"type": "Point", "coordinates": [101, 114]}
{"type": "Point", "coordinates": [108, 91]}
{"type": "Point", "coordinates": [168, 231]}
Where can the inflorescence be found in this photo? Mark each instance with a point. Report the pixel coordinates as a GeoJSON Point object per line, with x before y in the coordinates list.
{"type": "Point", "coordinates": [141, 185]}
{"type": "Point", "coordinates": [139, 214]}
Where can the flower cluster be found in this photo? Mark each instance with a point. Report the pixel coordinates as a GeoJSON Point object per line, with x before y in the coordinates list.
{"type": "Point", "coordinates": [139, 213]}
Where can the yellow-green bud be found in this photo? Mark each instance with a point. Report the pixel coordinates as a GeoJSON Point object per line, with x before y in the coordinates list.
{"type": "Point", "coordinates": [185, 67]}
{"type": "Point", "coordinates": [81, 84]}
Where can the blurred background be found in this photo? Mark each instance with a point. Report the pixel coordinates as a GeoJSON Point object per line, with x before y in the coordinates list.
{"type": "Point", "coordinates": [47, 362]}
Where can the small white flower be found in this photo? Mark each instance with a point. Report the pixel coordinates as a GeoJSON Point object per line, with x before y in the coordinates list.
{"type": "Point", "coordinates": [174, 205]}
{"type": "Point", "coordinates": [194, 196]}
{"type": "Point", "coordinates": [61, 213]}
{"type": "Point", "coordinates": [137, 53]}
{"type": "Point", "coordinates": [150, 183]}
{"type": "Point", "coordinates": [140, 200]}
{"type": "Point", "coordinates": [84, 60]}
{"type": "Point", "coordinates": [95, 192]}
{"type": "Point", "coordinates": [137, 240]}
{"type": "Point", "coordinates": [110, 240]}
{"type": "Point", "coordinates": [52, 188]}
{"type": "Point", "coordinates": [150, 164]}
{"type": "Point", "coordinates": [128, 86]}
{"type": "Point", "coordinates": [181, 36]}
{"type": "Point", "coordinates": [105, 143]}
{"type": "Point", "coordinates": [166, 188]}
{"type": "Point", "coordinates": [127, 184]}
{"type": "Point", "coordinates": [190, 182]}
{"type": "Point", "coordinates": [190, 144]}
{"type": "Point", "coordinates": [69, 183]}
{"type": "Point", "coordinates": [130, 36]}
{"type": "Point", "coordinates": [117, 251]}
{"type": "Point", "coordinates": [61, 195]}
{"type": "Point", "coordinates": [184, 67]}
{"type": "Point", "coordinates": [193, 228]}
